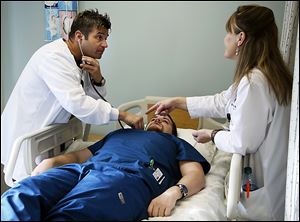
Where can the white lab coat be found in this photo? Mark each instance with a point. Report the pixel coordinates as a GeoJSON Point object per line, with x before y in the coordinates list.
{"type": "Point", "coordinates": [259, 126]}
{"type": "Point", "coordinates": [48, 91]}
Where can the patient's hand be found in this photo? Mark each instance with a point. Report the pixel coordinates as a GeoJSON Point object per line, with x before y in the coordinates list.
{"type": "Point", "coordinates": [43, 166]}
{"type": "Point", "coordinates": [163, 204]}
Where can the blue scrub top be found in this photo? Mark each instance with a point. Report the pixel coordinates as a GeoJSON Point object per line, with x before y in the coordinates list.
{"type": "Point", "coordinates": [154, 156]}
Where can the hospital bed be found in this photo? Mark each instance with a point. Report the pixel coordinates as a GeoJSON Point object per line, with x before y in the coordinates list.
{"type": "Point", "coordinates": [219, 199]}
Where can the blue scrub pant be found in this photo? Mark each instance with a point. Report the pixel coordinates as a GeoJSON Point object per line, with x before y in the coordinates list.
{"type": "Point", "coordinates": [75, 192]}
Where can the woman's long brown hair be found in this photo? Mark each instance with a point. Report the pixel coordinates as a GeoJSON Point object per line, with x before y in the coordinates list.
{"type": "Point", "coordinates": [260, 49]}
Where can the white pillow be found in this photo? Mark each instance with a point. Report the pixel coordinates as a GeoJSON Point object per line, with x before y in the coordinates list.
{"type": "Point", "coordinates": [207, 150]}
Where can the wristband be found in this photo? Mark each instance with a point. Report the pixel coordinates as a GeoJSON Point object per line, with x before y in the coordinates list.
{"type": "Point", "coordinates": [183, 190]}
{"type": "Point", "coordinates": [101, 83]}
{"type": "Point", "coordinates": [213, 134]}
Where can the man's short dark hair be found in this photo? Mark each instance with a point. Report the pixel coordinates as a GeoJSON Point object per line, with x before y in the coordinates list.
{"type": "Point", "coordinates": [85, 22]}
{"type": "Point", "coordinates": [174, 128]}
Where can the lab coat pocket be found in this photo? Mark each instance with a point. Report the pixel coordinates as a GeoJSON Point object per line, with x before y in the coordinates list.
{"type": "Point", "coordinates": [255, 207]}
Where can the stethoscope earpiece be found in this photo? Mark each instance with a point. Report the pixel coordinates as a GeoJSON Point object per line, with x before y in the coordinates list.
{"type": "Point", "coordinates": [79, 43]}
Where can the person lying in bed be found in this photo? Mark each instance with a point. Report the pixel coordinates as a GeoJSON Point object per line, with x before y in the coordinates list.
{"type": "Point", "coordinates": [128, 175]}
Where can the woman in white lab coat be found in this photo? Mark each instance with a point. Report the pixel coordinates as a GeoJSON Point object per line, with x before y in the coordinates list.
{"type": "Point", "coordinates": [257, 105]}
{"type": "Point", "coordinates": [49, 89]}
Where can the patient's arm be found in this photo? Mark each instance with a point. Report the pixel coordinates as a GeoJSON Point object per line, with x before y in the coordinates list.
{"type": "Point", "coordinates": [192, 177]}
{"type": "Point", "coordinates": [72, 157]}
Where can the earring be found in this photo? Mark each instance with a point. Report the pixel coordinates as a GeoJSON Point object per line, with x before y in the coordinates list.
{"type": "Point", "coordinates": [237, 50]}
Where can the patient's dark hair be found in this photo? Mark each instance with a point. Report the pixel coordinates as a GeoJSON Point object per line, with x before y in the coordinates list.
{"type": "Point", "coordinates": [86, 20]}
{"type": "Point", "coordinates": [174, 129]}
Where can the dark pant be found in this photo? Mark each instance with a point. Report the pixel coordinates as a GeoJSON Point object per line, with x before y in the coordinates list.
{"type": "Point", "coordinates": [73, 192]}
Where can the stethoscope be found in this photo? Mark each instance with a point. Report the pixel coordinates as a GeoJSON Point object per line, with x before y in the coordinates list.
{"type": "Point", "coordinates": [93, 84]}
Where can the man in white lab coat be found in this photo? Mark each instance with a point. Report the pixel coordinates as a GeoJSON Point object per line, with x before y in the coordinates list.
{"type": "Point", "coordinates": [61, 79]}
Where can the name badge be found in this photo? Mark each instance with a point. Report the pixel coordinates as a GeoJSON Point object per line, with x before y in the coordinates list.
{"type": "Point", "coordinates": [157, 174]}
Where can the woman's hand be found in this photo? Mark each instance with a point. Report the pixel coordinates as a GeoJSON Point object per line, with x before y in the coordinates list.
{"type": "Point", "coordinates": [202, 135]}
{"type": "Point", "coordinates": [168, 105]}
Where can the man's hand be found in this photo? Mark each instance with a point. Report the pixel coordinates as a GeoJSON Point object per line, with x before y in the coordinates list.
{"type": "Point", "coordinates": [92, 66]}
{"type": "Point", "coordinates": [79, 156]}
{"type": "Point", "coordinates": [162, 205]}
{"type": "Point", "coordinates": [202, 135]}
{"type": "Point", "coordinates": [43, 166]}
{"type": "Point", "coordinates": [135, 121]}
{"type": "Point", "coordinates": [168, 105]}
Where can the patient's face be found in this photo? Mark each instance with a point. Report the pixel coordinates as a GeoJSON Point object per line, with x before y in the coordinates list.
{"type": "Point", "coordinates": [160, 123]}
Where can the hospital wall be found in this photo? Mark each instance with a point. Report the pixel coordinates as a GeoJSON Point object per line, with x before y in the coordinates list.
{"type": "Point", "coordinates": [155, 48]}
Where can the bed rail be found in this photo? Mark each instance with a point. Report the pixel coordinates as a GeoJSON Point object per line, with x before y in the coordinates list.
{"type": "Point", "coordinates": [234, 186]}
{"type": "Point", "coordinates": [49, 140]}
